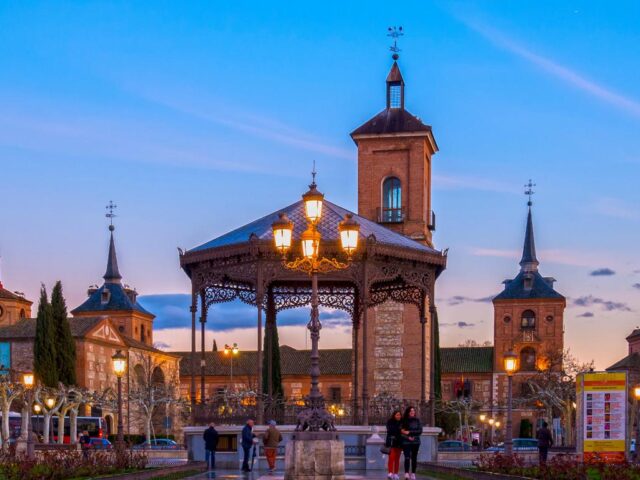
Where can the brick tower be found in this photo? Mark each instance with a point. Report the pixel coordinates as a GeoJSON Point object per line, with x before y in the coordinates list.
{"type": "Point", "coordinates": [529, 320]}
{"type": "Point", "coordinates": [394, 189]}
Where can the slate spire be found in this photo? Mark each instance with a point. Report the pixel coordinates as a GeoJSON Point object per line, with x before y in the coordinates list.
{"type": "Point", "coordinates": [529, 262]}
{"type": "Point", "coordinates": [112, 275]}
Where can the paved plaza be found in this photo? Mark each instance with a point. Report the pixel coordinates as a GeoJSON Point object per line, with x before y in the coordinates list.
{"type": "Point", "coordinates": [230, 474]}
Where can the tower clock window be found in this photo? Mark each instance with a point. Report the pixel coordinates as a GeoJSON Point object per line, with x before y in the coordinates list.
{"type": "Point", "coordinates": [528, 320]}
{"type": "Point", "coordinates": [528, 359]}
{"type": "Point", "coordinates": [392, 200]}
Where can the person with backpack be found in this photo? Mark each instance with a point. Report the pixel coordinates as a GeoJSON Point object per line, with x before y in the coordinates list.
{"type": "Point", "coordinates": [393, 442]}
{"type": "Point", "coordinates": [271, 438]}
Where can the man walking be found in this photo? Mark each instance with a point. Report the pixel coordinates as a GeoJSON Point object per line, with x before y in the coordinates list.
{"type": "Point", "coordinates": [247, 443]}
{"type": "Point", "coordinates": [545, 440]}
{"type": "Point", "coordinates": [271, 439]}
{"type": "Point", "coordinates": [210, 437]}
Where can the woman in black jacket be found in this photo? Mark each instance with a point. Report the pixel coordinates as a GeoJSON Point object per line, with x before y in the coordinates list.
{"type": "Point", "coordinates": [411, 430]}
{"type": "Point", "coordinates": [394, 442]}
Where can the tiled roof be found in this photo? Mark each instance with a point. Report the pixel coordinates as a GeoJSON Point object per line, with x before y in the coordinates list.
{"type": "Point", "coordinates": [7, 295]}
{"type": "Point", "coordinates": [466, 360]}
{"type": "Point", "coordinates": [540, 288]}
{"type": "Point", "coordinates": [392, 120]}
{"type": "Point", "coordinates": [292, 362]}
{"type": "Point", "coordinates": [332, 214]}
{"type": "Point", "coordinates": [133, 343]}
{"type": "Point", "coordinates": [634, 334]}
{"type": "Point", "coordinates": [26, 328]}
{"type": "Point", "coordinates": [118, 301]}
{"type": "Point", "coordinates": [630, 362]}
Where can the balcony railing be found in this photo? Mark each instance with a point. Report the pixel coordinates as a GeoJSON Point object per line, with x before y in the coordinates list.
{"type": "Point", "coordinates": [390, 215]}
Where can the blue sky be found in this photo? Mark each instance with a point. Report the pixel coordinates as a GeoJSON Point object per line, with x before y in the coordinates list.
{"type": "Point", "coordinates": [196, 117]}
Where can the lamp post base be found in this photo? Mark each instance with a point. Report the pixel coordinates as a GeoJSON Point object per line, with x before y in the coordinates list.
{"type": "Point", "coordinates": [314, 456]}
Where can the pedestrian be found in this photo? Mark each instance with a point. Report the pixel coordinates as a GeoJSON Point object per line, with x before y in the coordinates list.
{"type": "Point", "coordinates": [247, 443]}
{"type": "Point", "coordinates": [210, 437]}
{"type": "Point", "coordinates": [411, 430]}
{"type": "Point", "coordinates": [394, 443]}
{"type": "Point", "coordinates": [545, 440]}
{"type": "Point", "coordinates": [271, 439]}
{"type": "Point", "coordinates": [85, 443]}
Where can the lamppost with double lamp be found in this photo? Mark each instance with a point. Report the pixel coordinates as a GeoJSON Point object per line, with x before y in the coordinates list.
{"type": "Point", "coordinates": [37, 409]}
{"type": "Point", "coordinates": [231, 351]}
{"type": "Point", "coordinates": [482, 418]}
{"type": "Point", "coordinates": [119, 362]}
{"type": "Point", "coordinates": [50, 402]}
{"type": "Point", "coordinates": [29, 381]}
{"type": "Point", "coordinates": [315, 417]}
{"type": "Point", "coordinates": [491, 421]}
{"type": "Point", "coordinates": [510, 367]}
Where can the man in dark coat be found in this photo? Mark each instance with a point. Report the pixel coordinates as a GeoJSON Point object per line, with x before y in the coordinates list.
{"type": "Point", "coordinates": [545, 440]}
{"type": "Point", "coordinates": [247, 443]}
{"type": "Point", "coordinates": [210, 437]}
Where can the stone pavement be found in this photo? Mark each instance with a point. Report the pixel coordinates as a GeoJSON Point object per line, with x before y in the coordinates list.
{"type": "Point", "coordinates": [237, 475]}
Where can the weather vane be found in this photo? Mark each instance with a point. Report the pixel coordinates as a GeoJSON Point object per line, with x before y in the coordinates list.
{"type": "Point", "coordinates": [110, 215]}
{"type": "Point", "coordinates": [313, 173]}
{"type": "Point", "coordinates": [395, 33]}
{"type": "Point", "coordinates": [529, 190]}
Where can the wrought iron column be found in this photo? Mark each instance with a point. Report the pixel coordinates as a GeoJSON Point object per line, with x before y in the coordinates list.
{"type": "Point", "coordinates": [193, 357]}
{"type": "Point", "coordinates": [356, 364]}
{"type": "Point", "coordinates": [314, 327]}
{"type": "Point", "coordinates": [203, 362]}
{"type": "Point", "coordinates": [365, 369]}
{"type": "Point", "coordinates": [271, 320]}
{"type": "Point", "coordinates": [120, 442]}
{"type": "Point", "coordinates": [259, 404]}
{"type": "Point", "coordinates": [433, 314]}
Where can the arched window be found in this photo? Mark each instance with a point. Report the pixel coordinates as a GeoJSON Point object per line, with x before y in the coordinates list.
{"type": "Point", "coordinates": [527, 359]}
{"type": "Point", "coordinates": [391, 200]}
{"type": "Point", "coordinates": [528, 319]}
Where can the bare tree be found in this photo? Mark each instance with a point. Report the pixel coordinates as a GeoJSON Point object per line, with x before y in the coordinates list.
{"type": "Point", "coordinates": [473, 343]}
{"type": "Point", "coordinates": [10, 391]}
{"type": "Point", "coordinates": [72, 398]}
{"type": "Point", "coordinates": [463, 407]}
{"type": "Point", "coordinates": [150, 390]}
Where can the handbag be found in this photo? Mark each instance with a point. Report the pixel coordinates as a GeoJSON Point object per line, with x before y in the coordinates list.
{"type": "Point", "coordinates": [385, 450]}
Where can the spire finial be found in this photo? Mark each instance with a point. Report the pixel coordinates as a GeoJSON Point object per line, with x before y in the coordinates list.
{"type": "Point", "coordinates": [110, 215]}
{"type": "Point", "coordinates": [313, 175]}
{"type": "Point", "coordinates": [529, 191]}
{"type": "Point", "coordinates": [395, 33]}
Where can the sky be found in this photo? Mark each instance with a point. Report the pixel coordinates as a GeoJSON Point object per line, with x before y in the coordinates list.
{"type": "Point", "coordinates": [198, 117]}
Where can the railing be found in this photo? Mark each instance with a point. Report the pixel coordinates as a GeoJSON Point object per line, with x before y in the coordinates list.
{"type": "Point", "coordinates": [390, 215]}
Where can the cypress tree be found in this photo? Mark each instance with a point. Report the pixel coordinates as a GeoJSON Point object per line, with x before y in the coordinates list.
{"type": "Point", "coordinates": [64, 342]}
{"type": "Point", "coordinates": [272, 346]}
{"type": "Point", "coordinates": [215, 346]}
{"type": "Point", "coordinates": [44, 351]}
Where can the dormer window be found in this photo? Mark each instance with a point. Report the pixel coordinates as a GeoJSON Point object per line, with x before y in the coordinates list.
{"type": "Point", "coordinates": [528, 282]}
{"type": "Point", "coordinates": [105, 296]}
{"type": "Point", "coordinates": [528, 320]}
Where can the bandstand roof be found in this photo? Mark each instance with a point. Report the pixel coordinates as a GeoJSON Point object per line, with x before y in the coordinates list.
{"type": "Point", "coordinates": [332, 215]}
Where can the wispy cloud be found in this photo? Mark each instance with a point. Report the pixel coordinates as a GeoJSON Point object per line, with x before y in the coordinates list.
{"type": "Point", "coordinates": [460, 299]}
{"type": "Point", "coordinates": [636, 285]}
{"type": "Point", "coordinates": [555, 69]}
{"type": "Point", "coordinates": [458, 182]}
{"type": "Point", "coordinates": [587, 315]}
{"type": "Point", "coordinates": [607, 305]}
{"type": "Point", "coordinates": [602, 272]}
{"type": "Point", "coordinates": [555, 256]}
{"type": "Point", "coordinates": [458, 324]}
{"type": "Point", "coordinates": [616, 208]}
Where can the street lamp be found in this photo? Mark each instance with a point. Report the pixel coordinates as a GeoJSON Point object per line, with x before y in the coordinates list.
{"type": "Point", "coordinates": [315, 416]}
{"type": "Point", "coordinates": [230, 351]}
{"type": "Point", "coordinates": [50, 402]}
{"type": "Point", "coordinates": [119, 363]}
{"type": "Point", "coordinates": [482, 418]}
{"type": "Point", "coordinates": [491, 421]}
{"type": "Point", "coordinates": [28, 381]}
{"type": "Point", "coordinates": [510, 366]}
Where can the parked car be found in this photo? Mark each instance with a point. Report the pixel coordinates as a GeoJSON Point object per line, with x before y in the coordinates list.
{"type": "Point", "coordinates": [158, 444]}
{"type": "Point", "coordinates": [100, 444]}
{"type": "Point", "coordinates": [519, 445]}
{"type": "Point", "coordinates": [454, 446]}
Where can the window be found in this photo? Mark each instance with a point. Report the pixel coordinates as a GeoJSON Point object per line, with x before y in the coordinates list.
{"type": "Point", "coordinates": [462, 389]}
{"type": "Point", "coordinates": [106, 295]}
{"type": "Point", "coordinates": [22, 313]}
{"type": "Point", "coordinates": [507, 319]}
{"type": "Point", "coordinates": [391, 200]}
{"type": "Point", "coordinates": [395, 96]}
{"type": "Point", "coordinates": [142, 334]}
{"type": "Point", "coordinates": [528, 319]}
{"type": "Point", "coordinates": [335, 394]}
{"type": "Point", "coordinates": [528, 359]}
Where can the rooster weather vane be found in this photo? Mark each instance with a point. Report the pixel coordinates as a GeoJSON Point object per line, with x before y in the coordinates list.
{"type": "Point", "coordinates": [395, 33]}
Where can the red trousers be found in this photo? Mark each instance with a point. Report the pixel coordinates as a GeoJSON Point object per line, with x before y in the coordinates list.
{"type": "Point", "coordinates": [394, 460]}
{"type": "Point", "coordinates": [270, 453]}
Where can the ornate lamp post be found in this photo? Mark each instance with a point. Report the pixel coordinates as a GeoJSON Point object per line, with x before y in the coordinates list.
{"type": "Point", "coordinates": [483, 418]}
{"type": "Point", "coordinates": [315, 417]}
{"type": "Point", "coordinates": [491, 421]}
{"type": "Point", "coordinates": [50, 402]}
{"type": "Point", "coordinates": [636, 395]}
{"type": "Point", "coordinates": [29, 381]}
{"type": "Point", "coordinates": [231, 351]}
{"type": "Point", "coordinates": [119, 362]}
{"type": "Point", "coordinates": [510, 366]}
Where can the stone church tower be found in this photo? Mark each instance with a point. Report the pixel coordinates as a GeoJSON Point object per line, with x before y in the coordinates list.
{"type": "Point", "coordinates": [394, 190]}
